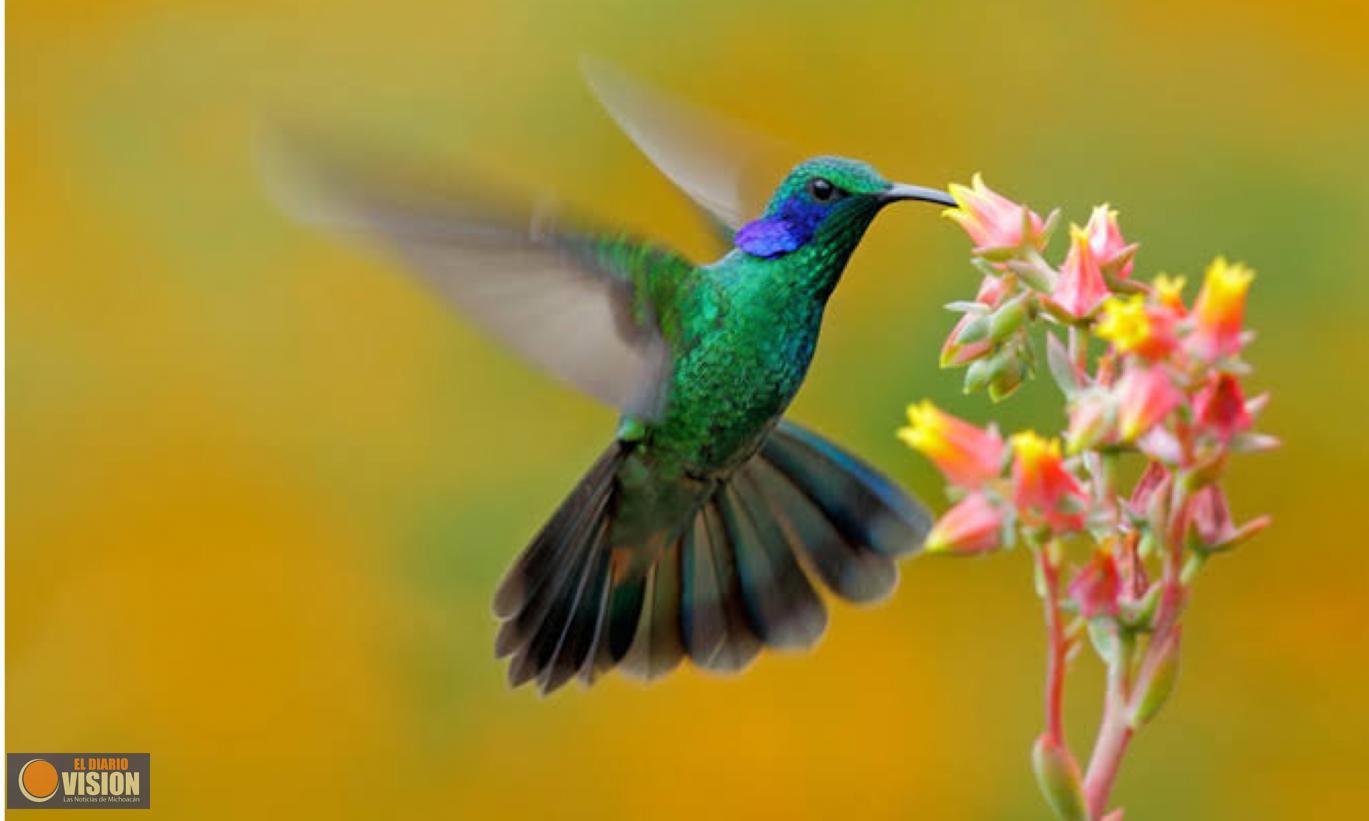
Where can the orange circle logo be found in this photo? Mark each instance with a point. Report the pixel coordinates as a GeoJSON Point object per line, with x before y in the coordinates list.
{"type": "Point", "coordinates": [38, 780]}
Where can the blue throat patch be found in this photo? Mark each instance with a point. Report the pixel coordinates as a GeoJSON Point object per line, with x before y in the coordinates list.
{"type": "Point", "coordinates": [783, 232]}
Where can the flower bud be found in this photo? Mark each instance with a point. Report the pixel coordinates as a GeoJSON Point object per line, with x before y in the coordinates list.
{"type": "Point", "coordinates": [1211, 516]}
{"type": "Point", "coordinates": [1005, 321]}
{"type": "Point", "coordinates": [1007, 375]}
{"type": "Point", "coordinates": [969, 338]}
{"type": "Point", "coordinates": [1156, 679]}
{"type": "Point", "coordinates": [1057, 774]}
{"type": "Point", "coordinates": [970, 528]}
{"type": "Point", "coordinates": [1097, 586]}
{"type": "Point", "coordinates": [973, 328]}
{"type": "Point", "coordinates": [955, 353]}
{"type": "Point", "coordinates": [1145, 396]}
{"type": "Point", "coordinates": [991, 289]}
{"type": "Point", "coordinates": [1213, 529]}
{"type": "Point", "coordinates": [1220, 406]}
{"type": "Point", "coordinates": [1080, 288]}
{"type": "Point", "coordinates": [967, 455]}
{"type": "Point", "coordinates": [1149, 502]}
{"type": "Point", "coordinates": [1140, 612]}
{"type": "Point", "coordinates": [1113, 253]}
{"type": "Point", "coordinates": [979, 373]}
{"type": "Point", "coordinates": [997, 225]}
{"type": "Point", "coordinates": [1220, 309]}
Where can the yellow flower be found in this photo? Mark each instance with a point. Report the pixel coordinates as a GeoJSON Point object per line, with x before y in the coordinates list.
{"type": "Point", "coordinates": [1169, 291]}
{"type": "Point", "coordinates": [967, 455]}
{"type": "Point", "coordinates": [1220, 308]}
{"type": "Point", "coordinates": [1042, 486]}
{"type": "Point", "coordinates": [1124, 323]}
{"type": "Point", "coordinates": [994, 222]}
{"type": "Point", "coordinates": [1132, 326]}
{"type": "Point", "coordinates": [1032, 449]}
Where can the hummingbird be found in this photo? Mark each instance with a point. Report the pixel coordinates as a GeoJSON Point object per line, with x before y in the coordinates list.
{"type": "Point", "coordinates": [709, 522]}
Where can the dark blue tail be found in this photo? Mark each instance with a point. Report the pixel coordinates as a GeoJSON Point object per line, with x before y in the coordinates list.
{"type": "Point", "coordinates": [736, 581]}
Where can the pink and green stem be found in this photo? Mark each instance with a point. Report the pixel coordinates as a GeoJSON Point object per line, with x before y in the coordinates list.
{"type": "Point", "coordinates": [1114, 733]}
{"type": "Point", "coordinates": [1059, 644]}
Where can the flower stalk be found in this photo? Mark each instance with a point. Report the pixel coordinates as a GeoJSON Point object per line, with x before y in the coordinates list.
{"type": "Point", "coordinates": [1164, 389]}
{"type": "Point", "coordinates": [1114, 733]}
{"type": "Point", "coordinates": [1058, 645]}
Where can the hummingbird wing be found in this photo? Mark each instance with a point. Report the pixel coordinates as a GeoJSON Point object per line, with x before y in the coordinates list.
{"type": "Point", "coordinates": [578, 303]}
{"type": "Point", "coordinates": [727, 170]}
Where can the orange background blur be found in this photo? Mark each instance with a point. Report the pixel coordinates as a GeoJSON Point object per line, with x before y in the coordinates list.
{"type": "Point", "coordinates": [261, 487]}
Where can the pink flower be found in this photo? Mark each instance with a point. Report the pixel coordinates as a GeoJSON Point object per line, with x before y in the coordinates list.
{"type": "Point", "coordinates": [1113, 253]}
{"type": "Point", "coordinates": [970, 528]}
{"type": "Point", "coordinates": [1043, 487]}
{"type": "Point", "coordinates": [1131, 570]}
{"type": "Point", "coordinates": [1080, 289]}
{"type": "Point", "coordinates": [1154, 480]}
{"type": "Point", "coordinates": [1220, 309]}
{"type": "Point", "coordinates": [1220, 406]}
{"type": "Point", "coordinates": [1145, 396]}
{"type": "Point", "coordinates": [1097, 585]}
{"type": "Point", "coordinates": [1132, 326]}
{"type": "Point", "coordinates": [1212, 525]}
{"type": "Point", "coordinates": [967, 455]}
{"type": "Point", "coordinates": [1162, 445]}
{"type": "Point", "coordinates": [994, 222]}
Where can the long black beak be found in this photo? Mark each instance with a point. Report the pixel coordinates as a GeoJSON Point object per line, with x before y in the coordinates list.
{"type": "Point", "coordinates": [899, 191]}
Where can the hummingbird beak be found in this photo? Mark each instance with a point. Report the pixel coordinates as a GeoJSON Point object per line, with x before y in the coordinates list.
{"type": "Point", "coordinates": [899, 191]}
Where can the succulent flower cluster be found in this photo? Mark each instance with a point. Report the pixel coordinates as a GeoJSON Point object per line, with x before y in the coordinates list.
{"type": "Point", "coordinates": [1160, 387]}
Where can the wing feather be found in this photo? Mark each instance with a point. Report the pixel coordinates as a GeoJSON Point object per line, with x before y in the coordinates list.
{"type": "Point", "coordinates": [724, 168]}
{"type": "Point", "coordinates": [572, 301]}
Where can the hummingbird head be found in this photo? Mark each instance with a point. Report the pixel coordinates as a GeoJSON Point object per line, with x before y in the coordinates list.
{"type": "Point", "coordinates": [826, 200]}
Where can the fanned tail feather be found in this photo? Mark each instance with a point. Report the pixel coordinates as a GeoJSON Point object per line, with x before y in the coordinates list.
{"type": "Point", "coordinates": [846, 567]}
{"type": "Point", "coordinates": [739, 578]}
{"type": "Point", "coordinates": [550, 600]}
{"type": "Point", "coordinates": [780, 604]}
{"type": "Point", "coordinates": [715, 631]}
{"type": "Point", "coordinates": [658, 647]}
{"type": "Point", "coordinates": [864, 505]}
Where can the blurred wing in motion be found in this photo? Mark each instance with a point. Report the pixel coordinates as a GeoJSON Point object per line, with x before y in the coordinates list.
{"type": "Point", "coordinates": [577, 303]}
{"type": "Point", "coordinates": [725, 169]}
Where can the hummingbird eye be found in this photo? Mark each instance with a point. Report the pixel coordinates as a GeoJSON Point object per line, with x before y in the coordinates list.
{"type": "Point", "coordinates": [823, 190]}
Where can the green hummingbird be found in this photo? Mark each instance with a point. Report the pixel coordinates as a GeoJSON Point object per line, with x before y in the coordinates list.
{"type": "Point", "coordinates": [702, 529]}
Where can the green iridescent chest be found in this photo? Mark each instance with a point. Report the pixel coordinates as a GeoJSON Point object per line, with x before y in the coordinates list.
{"type": "Point", "coordinates": [749, 330]}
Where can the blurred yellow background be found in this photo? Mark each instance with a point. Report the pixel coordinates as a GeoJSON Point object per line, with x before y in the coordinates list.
{"type": "Point", "coordinates": [261, 487]}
